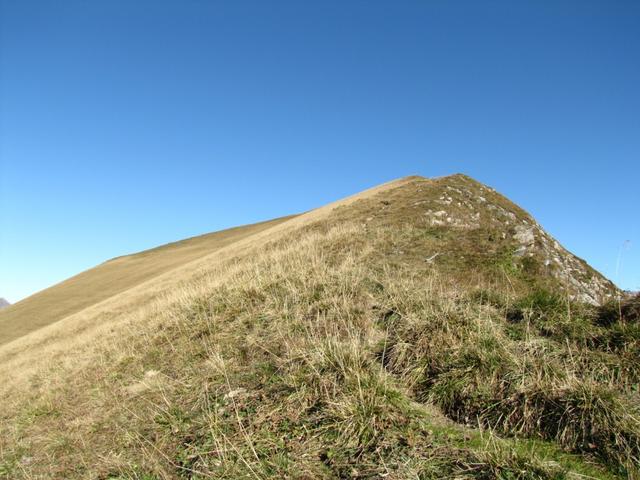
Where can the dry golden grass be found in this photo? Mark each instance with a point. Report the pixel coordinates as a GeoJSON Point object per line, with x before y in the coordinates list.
{"type": "Point", "coordinates": [94, 314]}
{"type": "Point", "coordinates": [111, 278]}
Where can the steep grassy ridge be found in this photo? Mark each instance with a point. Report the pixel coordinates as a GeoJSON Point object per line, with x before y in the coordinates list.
{"type": "Point", "coordinates": [111, 278]}
{"type": "Point", "coordinates": [339, 345]}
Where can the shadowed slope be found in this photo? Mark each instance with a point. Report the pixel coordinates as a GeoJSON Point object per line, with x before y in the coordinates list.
{"type": "Point", "coordinates": [113, 277]}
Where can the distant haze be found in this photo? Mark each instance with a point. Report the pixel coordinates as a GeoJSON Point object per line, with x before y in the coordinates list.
{"type": "Point", "coordinates": [3, 303]}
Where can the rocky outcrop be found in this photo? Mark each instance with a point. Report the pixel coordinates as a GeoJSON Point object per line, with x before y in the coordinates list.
{"type": "Point", "coordinates": [465, 204]}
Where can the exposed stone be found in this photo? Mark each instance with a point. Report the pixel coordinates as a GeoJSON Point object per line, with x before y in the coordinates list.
{"type": "Point", "coordinates": [524, 235]}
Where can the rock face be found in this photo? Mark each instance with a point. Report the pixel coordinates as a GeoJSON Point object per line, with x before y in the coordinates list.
{"type": "Point", "coordinates": [4, 303]}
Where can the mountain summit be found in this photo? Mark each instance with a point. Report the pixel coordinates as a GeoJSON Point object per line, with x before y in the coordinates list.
{"type": "Point", "coordinates": [4, 303]}
{"type": "Point", "coordinates": [425, 328]}
{"type": "Point", "coordinates": [469, 227]}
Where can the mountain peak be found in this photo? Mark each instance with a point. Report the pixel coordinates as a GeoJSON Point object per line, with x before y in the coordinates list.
{"type": "Point", "coordinates": [473, 228]}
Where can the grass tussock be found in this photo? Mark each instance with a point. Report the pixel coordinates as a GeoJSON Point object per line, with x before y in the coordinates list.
{"type": "Point", "coordinates": [548, 376]}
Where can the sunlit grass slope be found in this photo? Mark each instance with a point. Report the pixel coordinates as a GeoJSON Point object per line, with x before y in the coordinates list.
{"type": "Point", "coordinates": [425, 329]}
{"type": "Point", "coordinates": [111, 278]}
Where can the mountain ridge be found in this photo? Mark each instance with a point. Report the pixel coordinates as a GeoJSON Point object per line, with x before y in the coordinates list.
{"type": "Point", "coordinates": [383, 335]}
{"type": "Point", "coordinates": [112, 277]}
{"type": "Point", "coordinates": [530, 232]}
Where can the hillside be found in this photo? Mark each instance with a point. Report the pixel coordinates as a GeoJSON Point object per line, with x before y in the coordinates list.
{"type": "Point", "coordinates": [113, 277]}
{"type": "Point", "coordinates": [4, 303]}
{"type": "Point", "coordinates": [426, 328]}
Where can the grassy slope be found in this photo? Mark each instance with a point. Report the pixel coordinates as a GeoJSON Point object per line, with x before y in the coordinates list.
{"type": "Point", "coordinates": [329, 347]}
{"type": "Point", "coordinates": [111, 278]}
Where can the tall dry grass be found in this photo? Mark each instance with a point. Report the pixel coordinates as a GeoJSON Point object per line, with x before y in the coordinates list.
{"type": "Point", "coordinates": [313, 357]}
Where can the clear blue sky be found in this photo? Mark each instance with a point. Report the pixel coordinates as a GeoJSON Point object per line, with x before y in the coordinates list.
{"type": "Point", "coordinates": [128, 124]}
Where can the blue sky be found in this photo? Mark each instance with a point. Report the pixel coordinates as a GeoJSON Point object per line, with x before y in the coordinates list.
{"type": "Point", "coordinates": [125, 125]}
